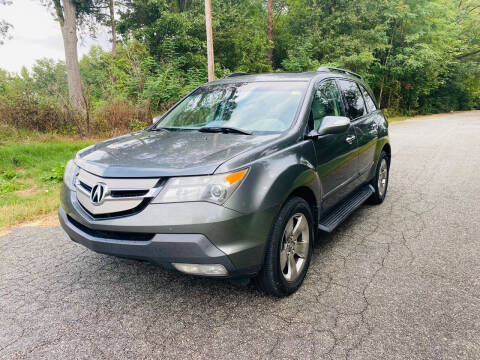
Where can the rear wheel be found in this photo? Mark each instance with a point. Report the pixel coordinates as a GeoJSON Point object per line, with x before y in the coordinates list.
{"type": "Point", "coordinates": [380, 181]}
{"type": "Point", "coordinates": [289, 249]}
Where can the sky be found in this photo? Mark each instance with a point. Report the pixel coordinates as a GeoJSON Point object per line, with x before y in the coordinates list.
{"type": "Point", "coordinates": [35, 35]}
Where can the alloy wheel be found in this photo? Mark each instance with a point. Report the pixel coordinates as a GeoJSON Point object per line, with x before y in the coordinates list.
{"type": "Point", "coordinates": [295, 247]}
{"type": "Point", "coordinates": [382, 177]}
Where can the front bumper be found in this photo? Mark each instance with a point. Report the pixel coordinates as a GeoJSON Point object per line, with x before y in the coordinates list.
{"type": "Point", "coordinates": [196, 233]}
{"type": "Point", "coordinates": [162, 249]}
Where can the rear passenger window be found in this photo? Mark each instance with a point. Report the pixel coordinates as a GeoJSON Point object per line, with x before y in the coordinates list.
{"type": "Point", "coordinates": [368, 100]}
{"type": "Point", "coordinates": [353, 98]}
{"type": "Point", "coordinates": [326, 102]}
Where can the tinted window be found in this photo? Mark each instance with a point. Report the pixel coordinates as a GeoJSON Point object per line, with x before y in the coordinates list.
{"type": "Point", "coordinates": [326, 102]}
{"type": "Point", "coordinates": [353, 98]}
{"type": "Point", "coordinates": [368, 100]}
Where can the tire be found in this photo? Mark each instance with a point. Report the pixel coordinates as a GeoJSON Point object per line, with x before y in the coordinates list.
{"type": "Point", "coordinates": [281, 250]}
{"type": "Point", "coordinates": [382, 173]}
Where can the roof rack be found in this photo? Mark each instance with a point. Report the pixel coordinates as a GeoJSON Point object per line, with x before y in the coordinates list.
{"type": "Point", "coordinates": [237, 74]}
{"type": "Point", "coordinates": [334, 69]}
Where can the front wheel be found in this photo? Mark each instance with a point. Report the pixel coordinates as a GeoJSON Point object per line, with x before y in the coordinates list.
{"type": "Point", "coordinates": [289, 249]}
{"type": "Point", "coordinates": [380, 181]}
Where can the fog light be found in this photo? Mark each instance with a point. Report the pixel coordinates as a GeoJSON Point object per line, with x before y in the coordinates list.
{"type": "Point", "coordinates": [201, 269]}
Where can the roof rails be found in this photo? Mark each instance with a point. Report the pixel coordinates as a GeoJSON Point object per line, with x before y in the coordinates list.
{"type": "Point", "coordinates": [237, 74]}
{"type": "Point", "coordinates": [334, 69]}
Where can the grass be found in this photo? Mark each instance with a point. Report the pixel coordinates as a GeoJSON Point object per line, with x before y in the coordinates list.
{"type": "Point", "coordinates": [31, 173]}
{"type": "Point", "coordinates": [392, 119]}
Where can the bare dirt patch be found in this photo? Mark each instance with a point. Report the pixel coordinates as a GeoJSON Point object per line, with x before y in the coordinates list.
{"type": "Point", "coordinates": [50, 220]}
{"type": "Point", "coordinates": [27, 192]}
{"type": "Point", "coordinates": [44, 221]}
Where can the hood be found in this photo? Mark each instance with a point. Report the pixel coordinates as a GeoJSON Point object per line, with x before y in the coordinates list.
{"type": "Point", "coordinates": [165, 154]}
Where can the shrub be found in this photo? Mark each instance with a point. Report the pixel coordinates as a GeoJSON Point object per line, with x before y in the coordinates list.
{"type": "Point", "coordinates": [38, 113]}
{"type": "Point", "coordinates": [137, 125]}
{"type": "Point", "coordinates": [9, 182]}
{"type": "Point", "coordinates": [7, 186]}
{"type": "Point", "coordinates": [119, 117]}
{"type": "Point", "coordinates": [55, 175]}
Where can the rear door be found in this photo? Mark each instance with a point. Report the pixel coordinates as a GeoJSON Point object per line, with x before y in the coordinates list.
{"type": "Point", "coordinates": [364, 123]}
{"type": "Point", "coordinates": [336, 153]}
{"type": "Point", "coordinates": [375, 117]}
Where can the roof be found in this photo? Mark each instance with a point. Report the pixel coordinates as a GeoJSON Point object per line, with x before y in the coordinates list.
{"type": "Point", "coordinates": [279, 76]}
{"type": "Point", "coordinates": [285, 76]}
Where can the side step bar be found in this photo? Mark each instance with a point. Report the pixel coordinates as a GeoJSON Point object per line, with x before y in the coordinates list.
{"type": "Point", "coordinates": [335, 217]}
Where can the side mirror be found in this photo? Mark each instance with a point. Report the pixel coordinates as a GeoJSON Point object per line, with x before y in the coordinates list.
{"type": "Point", "coordinates": [333, 125]}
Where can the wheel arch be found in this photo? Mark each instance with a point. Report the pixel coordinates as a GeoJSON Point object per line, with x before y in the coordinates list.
{"type": "Point", "coordinates": [388, 150]}
{"type": "Point", "coordinates": [307, 194]}
{"type": "Point", "coordinates": [382, 145]}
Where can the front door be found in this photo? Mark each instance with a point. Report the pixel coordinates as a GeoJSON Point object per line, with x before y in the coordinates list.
{"type": "Point", "coordinates": [336, 153]}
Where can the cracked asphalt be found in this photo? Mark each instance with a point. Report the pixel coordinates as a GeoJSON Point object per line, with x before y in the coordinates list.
{"type": "Point", "coordinates": [395, 281]}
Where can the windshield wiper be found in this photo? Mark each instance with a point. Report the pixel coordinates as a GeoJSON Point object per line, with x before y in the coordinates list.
{"type": "Point", "coordinates": [225, 130]}
{"type": "Point", "coordinates": [159, 129]}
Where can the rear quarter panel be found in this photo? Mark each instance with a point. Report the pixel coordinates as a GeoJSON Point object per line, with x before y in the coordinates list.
{"type": "Point", "coordinates": [383, 138]}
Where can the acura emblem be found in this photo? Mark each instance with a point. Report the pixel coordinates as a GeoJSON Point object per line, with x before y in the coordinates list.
{"type": "Point", "coordinates": [99, 191]}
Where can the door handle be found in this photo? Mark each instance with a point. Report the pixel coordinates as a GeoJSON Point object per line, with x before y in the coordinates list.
{"type": "Point", "coordinates": [350, 139]}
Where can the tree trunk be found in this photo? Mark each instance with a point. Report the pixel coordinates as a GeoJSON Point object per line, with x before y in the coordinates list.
{"type": "Point", "coordinates": [270, 30]}
{"type": "Point", "coordinates": [385, 64]}
{"type": "Point", "coordinates": [208, 25]}
{"type": "Point", "coordinates": [68, 24]}
{"type": "Point", "coordinates": [389, 97]}
{"type": "Point", "coordinates": [113, 25]}
{"type": "Point", "coordinates": [381, 92]}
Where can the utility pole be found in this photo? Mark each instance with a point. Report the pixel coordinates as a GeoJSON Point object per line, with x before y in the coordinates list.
{"type": "Point", "coordinates": [270, 30]}
{"type": "Point", "coordinates": [208, 24]}
{"type": "Point", "coordinates": [113, 26]}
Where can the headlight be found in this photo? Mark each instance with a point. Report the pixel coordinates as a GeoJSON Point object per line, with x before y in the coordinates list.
{"type": "Point", "coordinates": [69, 175]}
{"type": "Point", "coordinates": [215, 188]}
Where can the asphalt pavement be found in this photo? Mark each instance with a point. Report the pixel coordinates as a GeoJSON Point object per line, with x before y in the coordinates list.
{"type": "Point", "coordinates": [395, 281]}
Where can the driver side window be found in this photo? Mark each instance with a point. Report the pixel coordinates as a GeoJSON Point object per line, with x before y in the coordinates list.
{"type": "Point", "coordinates": [326, 102]}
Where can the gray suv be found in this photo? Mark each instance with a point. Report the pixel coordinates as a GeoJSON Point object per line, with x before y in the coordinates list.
{"type": "Point", "coordinates": [235, 180]}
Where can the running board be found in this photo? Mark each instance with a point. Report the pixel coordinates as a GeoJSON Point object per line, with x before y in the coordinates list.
{"type": "Point", "coordinates": [342, 211]}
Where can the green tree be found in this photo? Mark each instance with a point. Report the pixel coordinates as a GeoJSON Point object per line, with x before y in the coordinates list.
{"type": "Point", "coordinates": [50, 78]}
{"type": "Point", "coordinates": [419, 56]}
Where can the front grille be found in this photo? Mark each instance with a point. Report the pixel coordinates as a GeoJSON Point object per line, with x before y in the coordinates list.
{"type": "Point", "coordinates": [118, 193]}
{"type": "Point", "coordinates": [114, 235]}
{"type": "Point", "coordinates": [121, 196]}
{"type": "Point", "coordinates": [116, 214]}
{"type": "Point", "coordinates": [128, 193]}
{"type": "Point", "coordinates": [85, 186]}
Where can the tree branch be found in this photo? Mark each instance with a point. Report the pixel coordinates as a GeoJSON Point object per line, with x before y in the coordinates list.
{"type": "Point", "coordinates": [468, 54]}
{"type": "Point", "coordinates": [58, 10]}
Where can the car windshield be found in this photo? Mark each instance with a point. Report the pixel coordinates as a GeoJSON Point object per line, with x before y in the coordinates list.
{"type": "Point", "coordinates": [247, 106]}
